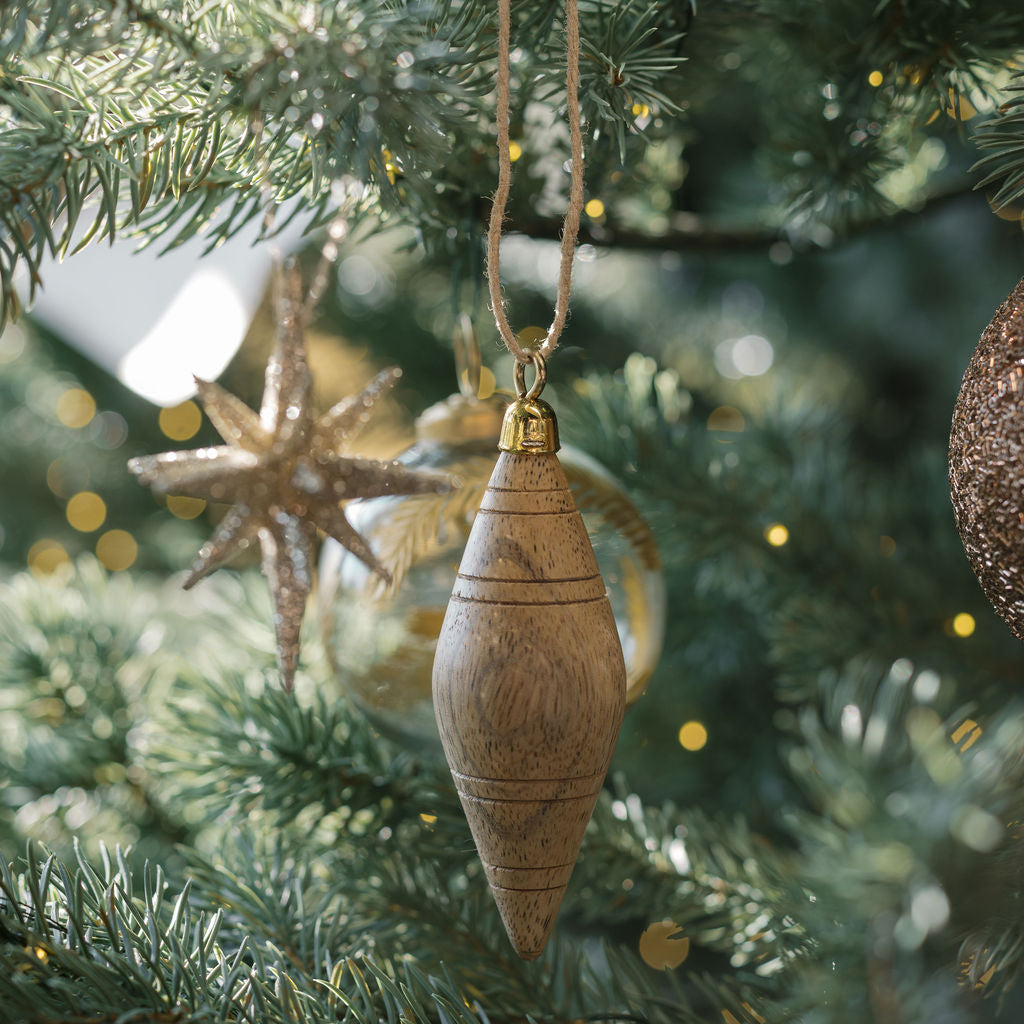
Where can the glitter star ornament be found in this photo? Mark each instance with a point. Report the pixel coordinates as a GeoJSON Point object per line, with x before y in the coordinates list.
{"type": "Point", "coordinates": [986, 461]}
{"type": "Point", "coordinates": [284, 475]}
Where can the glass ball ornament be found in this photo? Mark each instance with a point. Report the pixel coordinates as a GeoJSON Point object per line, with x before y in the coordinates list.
{"type": "Point", "coordinates": [380, 638]}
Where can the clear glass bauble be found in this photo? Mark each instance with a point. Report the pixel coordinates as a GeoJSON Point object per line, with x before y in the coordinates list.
{"type": "Point", "coordinates": [380, 638]}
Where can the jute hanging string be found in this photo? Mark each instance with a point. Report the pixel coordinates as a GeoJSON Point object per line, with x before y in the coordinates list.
{"type": "Point", "coordinates": [571, 226]}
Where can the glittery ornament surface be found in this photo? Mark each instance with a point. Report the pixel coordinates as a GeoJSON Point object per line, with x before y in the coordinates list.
{"type": "Point", "coordinates": [284, 476]}
{"type": "Point", "coordinates": [986, 461]}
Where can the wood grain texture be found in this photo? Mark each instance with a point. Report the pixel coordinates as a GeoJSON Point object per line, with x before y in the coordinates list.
{"type": "Point", "coordinates": [529, 689]}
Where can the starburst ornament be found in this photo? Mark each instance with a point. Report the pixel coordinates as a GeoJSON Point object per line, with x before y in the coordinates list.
{"type": "Point", "coordinates": [284, 475]}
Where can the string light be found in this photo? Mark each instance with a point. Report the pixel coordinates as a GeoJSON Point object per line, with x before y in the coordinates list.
{"type": "Point", "coordinates": [531, 337]}
{"type": "Point", "coordinates": [488, 382]}
{"type": "Point", "coordinates": [117, 550]}
{"type": "Point", "coordinates": [55, 478]}
{"type": "Point", "coordinates": [776, 534]}
{"type": "Point", "coordinates": [76, 408]}
{"type": "Point", "coordinates": [660, 947]}
{"type": "Point", "coordinates": [693, 736]}
{"type": "Point", "coordinates": [86, 511]}
{"type": "Point", "coordinates": [727, 417]}
{"type": "Point", "coordinates": [185, 508]}
{"type": "Point", "coordinates": [963, 624]}
{"type": "Point", "coordinates": [46, 556]}
{"type": "Point", "coordinates": [180, 422]}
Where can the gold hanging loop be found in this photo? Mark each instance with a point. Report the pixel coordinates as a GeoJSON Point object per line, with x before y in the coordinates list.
{"type": "Point", "coordinates": [541, 368]}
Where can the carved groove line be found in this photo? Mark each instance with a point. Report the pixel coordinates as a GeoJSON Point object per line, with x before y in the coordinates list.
{"type": "Point", "coordinates": [501, 579]}
{"type": "Point", "coordinates": [571, 778]}
{"type": "Point", "coordinates": [503, 512]}
{"type": "Point", "coordinates": [543, 867]}
{"type": "Point", "coordinates": [527, 604]}
{"type": "Point", "coordinates": [524, 799]}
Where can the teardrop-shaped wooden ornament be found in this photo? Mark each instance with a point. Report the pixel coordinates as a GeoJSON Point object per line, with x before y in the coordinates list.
{"type": "Point", "coordinates": [529, 681]}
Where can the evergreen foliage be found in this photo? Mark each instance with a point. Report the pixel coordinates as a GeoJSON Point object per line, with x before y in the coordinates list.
{"type": "Point", "coordinates": [173, 120]}
{"type": "Point", "coordinates": [182, 842]}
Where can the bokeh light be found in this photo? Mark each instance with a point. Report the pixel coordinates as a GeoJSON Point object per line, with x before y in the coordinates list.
{"type": "Point", "coordinates": [55, 478]}
{"type": "Point", "coordinates": [76, 408]}
{"type": "Point", "coordinates": [12, 344]}
{"type": "Point", "coordinates": [728, 418]}
{"type": "Point", "coordinates": [749, 356]}
{"type": "Point", "coordinates": [776, 534]}
{"type": "Point", "coordinates": [46, 556]}
{"type": "Point", "coordinates": [693, 736]}
{"type": "Point", "coordinates": [515, 151]}
{"type": "Point", "coordinates": [875, 78]}
{"type": "Point", "coordinates": [180, 422]}
{"type": "Point", "coordinates": [594, 209]}
{"type": "Point", "coordinates": [109, 430]}
{"type": "Point", "coordinates": [358, 276]}
{"type": "Point", "coordinates": [488, 382]}
{"type": "Point", "coordinates": [963, 624]}
{"type": "Point", "coordinates": [661, 945]}
{"type": "Point", "coordinates": [117, 550]}
{"type": "Point", "coordinates": [531, 337]}
{"type": "Point", "coordinates": [86, 511]}
{"type": "Point", "coordinates": [185, 508]}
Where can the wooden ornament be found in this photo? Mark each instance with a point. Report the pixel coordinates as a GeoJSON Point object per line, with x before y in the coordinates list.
{"type": "Point", "coordinates": [529, 681]}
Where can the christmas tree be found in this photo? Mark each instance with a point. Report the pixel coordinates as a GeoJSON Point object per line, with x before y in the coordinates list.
{"type": "Point", "coordinates": [798, 218]}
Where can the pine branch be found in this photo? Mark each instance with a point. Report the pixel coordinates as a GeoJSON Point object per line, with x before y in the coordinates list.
{"type": "Point", "coordinates": [1003, 134]}
{"type": "Point", "coordinates": [166, 121]}
{"type": "Point", "coordinates": [88, 942]}
{"type": "Point", "coordinates": [233, 753]}
{"type": "Point", "coordinates": [692, 233]}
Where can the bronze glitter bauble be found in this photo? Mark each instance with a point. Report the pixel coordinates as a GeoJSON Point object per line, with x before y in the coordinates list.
{"type": "Point", "coordinates": [986, 461]}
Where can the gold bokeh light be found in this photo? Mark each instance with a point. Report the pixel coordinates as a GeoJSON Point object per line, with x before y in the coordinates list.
{"type": "Point", "coordinates": [185, 508]}
{"type": "Point", "coordinates": [693, 736]}
{"type": "Point", "coordinates": [86, 511]}
{"type": "Point", "coordinates": [963, 624]}
{"type": "Point", "coordinates": [662, 947]}
{"type": "Point", "coordinates": [117, 550]}
{"type": "Point", "coordinates": [76, 408]}
{"type": "Point", "coordinates": [180, 422]}
{"type": "Point", "coordinates": [46, 556]}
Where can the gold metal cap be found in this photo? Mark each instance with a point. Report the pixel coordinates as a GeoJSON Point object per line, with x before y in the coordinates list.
{"type": "Point", "coordinates": [529, 426]}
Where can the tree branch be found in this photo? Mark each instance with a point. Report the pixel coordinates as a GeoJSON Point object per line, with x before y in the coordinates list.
{"type": "Point", "coordinates": [690, 232]}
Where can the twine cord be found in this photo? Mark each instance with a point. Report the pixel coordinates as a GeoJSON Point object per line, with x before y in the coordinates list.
{"type": "Point", "coordinates": [571, 225]}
